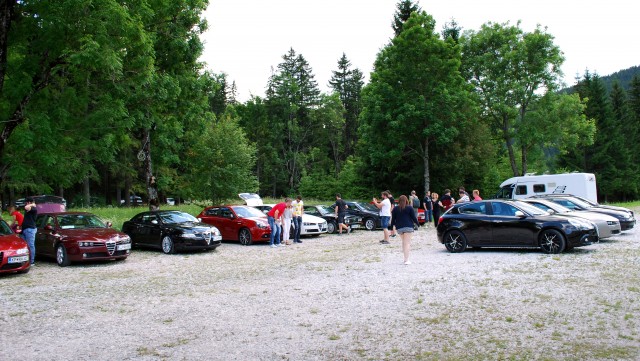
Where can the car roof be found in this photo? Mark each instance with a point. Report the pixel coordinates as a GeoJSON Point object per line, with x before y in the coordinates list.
{"type": "Point", "coordinates": [64, 213]}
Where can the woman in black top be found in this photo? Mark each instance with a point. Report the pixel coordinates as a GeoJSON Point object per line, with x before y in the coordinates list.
{"type": "Point", "coordinates": [403, 218]}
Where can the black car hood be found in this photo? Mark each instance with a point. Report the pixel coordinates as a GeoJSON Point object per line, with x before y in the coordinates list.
{"type": "Point", "coordinates": [189, 227]}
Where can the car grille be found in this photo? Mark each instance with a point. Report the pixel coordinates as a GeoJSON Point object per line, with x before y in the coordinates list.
{"type": "Point", "coordinates": [111, 247]}
{"type": "Point", "coordinates": [206, 235]}
{"type": "Point", "coordinates": [104, 254]}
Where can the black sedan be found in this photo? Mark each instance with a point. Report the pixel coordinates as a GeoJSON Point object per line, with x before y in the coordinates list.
{"type": "Point", "coordinates": [625, 216]}
{"type": "Point", "coordinates": [329, 215]}
{"type": "Point", "coordinates": [171, 231]}
{"type": "Point", "coordinates": [369, 213]}
{"type": "Point", "coordinates": [503, 223]}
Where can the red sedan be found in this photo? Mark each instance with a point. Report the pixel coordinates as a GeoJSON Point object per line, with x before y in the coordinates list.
{"type": "Point", "coordinates": [78, 236]}
{"type": "Point", "coordinates": [14, 252]}
{"type": "Point", "coordinates": [238, 223]}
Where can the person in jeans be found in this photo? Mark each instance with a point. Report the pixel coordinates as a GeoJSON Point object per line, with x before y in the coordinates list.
{"type": "Point", "coordinates": [385, 214]}
{"type": "Point", "coordinates": [287, 216]}
{"type": "Point", "coordinates": [274, 216]}
{"type": "Point", "coordinates": [29, 227]}
{"type": "Point", "coordinates": [427, 203]}
{"type": "Point", "coordinates": [298, 209]}
{"type": "Point", "coordinates": [403, 218]}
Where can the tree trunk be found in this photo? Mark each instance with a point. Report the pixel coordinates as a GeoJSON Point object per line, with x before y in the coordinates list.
{"type": "Point", "coordinates": [127, 191]}
{"type": "Point", "coordinates": [425, 159]}
{"type": "Point", "coordinates": [118, 195]}
{"type": "Point", "coordinates": [509, 142]}
{"type": "Point", "coordinates": [524, 160]}
{"type": "Point", "coordinates": [87, 193]}
{"type": "Point", "coordinates": [6, 12]}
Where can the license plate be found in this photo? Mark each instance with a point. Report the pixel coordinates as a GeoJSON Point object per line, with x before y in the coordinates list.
{"type": "Point", "coordinates": [355, 226]}
{"type": "Point", "coordinates": [18, 259]}
{"type": "Point", "coordinates": [123, 247]}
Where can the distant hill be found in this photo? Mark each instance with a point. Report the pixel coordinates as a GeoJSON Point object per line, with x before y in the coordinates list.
{"type": "Point", "coordinates": [623, 77]}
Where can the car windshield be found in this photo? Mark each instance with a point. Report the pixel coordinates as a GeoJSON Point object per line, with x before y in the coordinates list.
{"type": "Point", "coordinates": [368, 206]}
{"type": "Point", "coordinates": [529, 208]}
{"type": "Point", "coordinates": [578, 202]}
{"type": "Point", "coordinates": [557, 208]}
{"type": "Point", "coordinates": [326, 210]}
{"type": "Point", "coordinates": [80, 221]}
{"type": "Point", "coordinates": [4, 228]}
{"type": "Point", "coordinates": [176, 217]}
{"type": "Point", "coordinates": [246, 212]}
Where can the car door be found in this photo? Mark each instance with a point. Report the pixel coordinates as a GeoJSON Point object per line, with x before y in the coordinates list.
{"type": "Point", "coordinates": [510, 230]}
{"type": "Point", "coordinates": [45, 239]}
{"type": "Point", "coordinates": [230, 223]}
{"type": "Point", "coordinates": [148, 230]}
{"type": "Point", "coordinates": [477, 223]}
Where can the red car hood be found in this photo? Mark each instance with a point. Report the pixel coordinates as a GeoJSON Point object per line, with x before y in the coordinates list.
{"type": "Point", "coordinates": [90, 234]}
{"type": "Point", "coordinates": [259, 219]}
{"type": "Point", "coordinates": [11, 242]}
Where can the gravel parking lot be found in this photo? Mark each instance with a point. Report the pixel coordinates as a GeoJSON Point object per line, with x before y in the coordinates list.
{"type": "Point", "coordinates": [331, 298]}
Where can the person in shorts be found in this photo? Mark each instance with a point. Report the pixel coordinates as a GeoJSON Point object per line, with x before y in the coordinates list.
{"type": "Point", "coordinates": [385, 215]}
{"type": "Point", "coordinates": [403, 218]}
{"type": "Point", "coordinates": [341, 211]}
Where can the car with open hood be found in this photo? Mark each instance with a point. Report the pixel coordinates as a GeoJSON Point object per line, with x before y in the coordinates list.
{"type": "Point", "coordinates": [329, 215]}
{"type": "Point", "coordinates": [311, 225]}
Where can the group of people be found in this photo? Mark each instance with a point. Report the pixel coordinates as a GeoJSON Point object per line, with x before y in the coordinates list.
{"type": "Point", "coordinates": [25, 225]}
{"type": "Point", "coordinates": [280, 219]}
{"type": "Point", "coordinates": [434, 205]}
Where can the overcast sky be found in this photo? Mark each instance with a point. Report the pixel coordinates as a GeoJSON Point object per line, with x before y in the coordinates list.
{"type": "Point", "coordinates": [246, 39]}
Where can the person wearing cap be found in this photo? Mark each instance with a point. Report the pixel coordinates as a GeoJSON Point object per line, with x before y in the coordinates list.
{"type": "Point", "coordinates": [29, 227]}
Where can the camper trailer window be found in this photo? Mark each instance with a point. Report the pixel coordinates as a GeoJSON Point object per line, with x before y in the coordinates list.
{"type": "Point", "coordinates": [539, 188]}
{"type": "Point", "coordinates": [521, 190]}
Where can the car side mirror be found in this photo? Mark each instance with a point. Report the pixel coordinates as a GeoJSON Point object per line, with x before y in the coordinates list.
{"type": "Point", "coordinates": [519, 214]}
{"type": "Point", "coordinates": [154, 221]}
{"type": "Point", "coordinates": [48, 227]}
{"type": "Point", "coordinates": [109, 224]}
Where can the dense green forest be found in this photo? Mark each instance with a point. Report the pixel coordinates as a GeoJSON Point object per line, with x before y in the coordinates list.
{"type": "Point", "coordinates": [98, 96]}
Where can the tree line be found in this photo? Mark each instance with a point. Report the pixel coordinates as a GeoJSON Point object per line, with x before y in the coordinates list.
{"type": "Point", "coordinates": [97, 96]}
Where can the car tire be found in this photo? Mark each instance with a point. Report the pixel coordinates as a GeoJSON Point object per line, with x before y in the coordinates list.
{"type": "Point", "coordinates": [244, 236]}
{"type": "Point", "coordinates": [332, 227]}
{"type": "Point", "coordinates": [168, 247]}
{"type": "Point", "coordinates": [455, 241]}
{"type": "Point", "coordinates": [552, 241]}
{"type": "Point", "coordinates": [62, 259]}
{"type": "Point", "coordinates": [370, 224]}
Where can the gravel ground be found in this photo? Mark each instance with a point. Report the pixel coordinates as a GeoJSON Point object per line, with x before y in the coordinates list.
{"type": "Point", "coordinates": [331, 298]}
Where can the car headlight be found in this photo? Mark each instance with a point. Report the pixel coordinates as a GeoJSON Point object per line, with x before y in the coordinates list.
{"type": "Point", "coordinates": [307, 224]}
{"type": "Point", "coordinates": [88, 244]}
{"type": "Point", "coordinates": [22, 251]}
{"type": "Point", "coordinates": [580, 224]}
{"type": "Point", "coordinates": [215, 231]}
{"type": "Point", "coordinates": [262, 225]}
{"type": "Point", "coordinates": [125, 239]}
{"type": "Point", "coordinates": [612, 223]}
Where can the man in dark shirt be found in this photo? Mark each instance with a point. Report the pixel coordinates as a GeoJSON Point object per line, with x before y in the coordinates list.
{"type": "Point", "coordinates": [427, 203]}
{"type": "Point", "coordinates": [341, 211]}
{"type": "Point", "coordinates": [393, 204]}
{"type": "Point", "coordinates": [29, 227]}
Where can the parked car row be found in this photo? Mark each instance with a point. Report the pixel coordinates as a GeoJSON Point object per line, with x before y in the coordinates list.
{"type": "Point", "coordinates": [553, 223]}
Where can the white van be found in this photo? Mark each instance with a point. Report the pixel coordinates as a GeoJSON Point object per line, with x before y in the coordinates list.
{"type": "Point", "coordinates": [578, 184]}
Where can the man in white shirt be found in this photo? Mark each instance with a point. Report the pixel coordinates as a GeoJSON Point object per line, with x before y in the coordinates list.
{"type": "Point", "coordinates": [385, 214]}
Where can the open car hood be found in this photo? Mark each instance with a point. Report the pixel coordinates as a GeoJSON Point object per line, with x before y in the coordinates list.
{"type": "Point", "coordinates": [251, 199]}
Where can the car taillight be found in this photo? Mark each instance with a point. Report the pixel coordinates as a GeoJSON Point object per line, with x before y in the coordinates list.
{"type": "Point", "coordinates": [440, 219]}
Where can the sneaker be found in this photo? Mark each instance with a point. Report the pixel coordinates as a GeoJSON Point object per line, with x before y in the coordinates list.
{"type": "Point", "coordinates": [407, 263]}
{"type": "Point", "coordinates": [348, 230]}
{"type": "Point", "coordinates": [277, 244]}
{"type": "Point", "coordinates": [393, 235]}
{"type": "Point", "coordinates": [384, 242]}
{"type": "Point", "coordinates": [273, 246]}
{"type": "Point", "coordinates": [298, 241]}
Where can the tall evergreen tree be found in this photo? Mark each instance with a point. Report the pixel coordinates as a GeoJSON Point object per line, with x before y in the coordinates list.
{"type": "Point", "coordinates": [348, 83]}
{"type": "Point", "coordinates": [404, 9]}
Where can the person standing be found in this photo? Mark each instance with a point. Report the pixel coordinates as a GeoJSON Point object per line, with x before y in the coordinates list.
{"type": "Point", "coordinates": [29, 227]}
{"type": "Point", "coordinates": [298, 209]}
{"type": "Point", "coordinates": [152, 190]}
{"type": "Point", "coordinates": [427, 204]}
{"type": "Point", "coordinates": [476, 195]}
{"type": "Point", "coordinates": [287, 216]}
{"type": "Point", "coordinates": [385, 215]}
{"type": "Point", "coordinates": [274, 216]}
{"type": "Point", "coordinates": [446, 201]}
{"type": "Point", "coordinates": [435, 205]}
{"type": "Point", "coordinates": [464, 197]}
{"type": "Point", "coordinates": [17, 217]}
{"type": "Point", "coordinates": [403, 218]}
{"type": "Point", "coordinates": [341, 211]}
{"type": "Point", "coordinates": [392, 232]}
{"type": "Point", "coordinates": [415, 203]}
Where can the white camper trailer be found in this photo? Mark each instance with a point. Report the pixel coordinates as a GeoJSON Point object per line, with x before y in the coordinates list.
{"type": "Point", "coordinates": [578, 184]}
